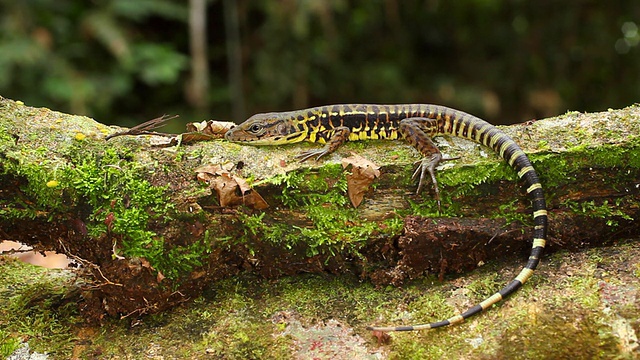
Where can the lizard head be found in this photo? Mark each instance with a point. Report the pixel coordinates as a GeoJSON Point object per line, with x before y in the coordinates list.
{"type": "Point", "coordinates": [267, 129]}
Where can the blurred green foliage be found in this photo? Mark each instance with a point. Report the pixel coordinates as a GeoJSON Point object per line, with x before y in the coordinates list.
{"type": "Point", "coordinates": [504, 60]}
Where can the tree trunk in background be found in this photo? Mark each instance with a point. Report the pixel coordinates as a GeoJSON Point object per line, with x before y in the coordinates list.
{"type": "Point", "coordinates": [199, 85]}
{"type": "Point", "coordinates": [234, 58]}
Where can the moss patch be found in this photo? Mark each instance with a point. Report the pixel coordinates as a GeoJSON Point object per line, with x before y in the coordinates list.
{"type": "Point", "coordinates": [38, 311]}
{"type": "Point", "coordinates": [330, 225]}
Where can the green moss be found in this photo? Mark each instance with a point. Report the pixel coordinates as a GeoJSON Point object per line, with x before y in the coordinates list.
{"type": "Point", "coordinates": [608, 211]}
{"type": "Point", "coordinates": [246, 318]}
{"type": "Point", "coordinates": [321, 196]}
{"type": "Point", "coordinates": [553, 337]}
{"type": "Point", "coordinates": [611, 155]}
{"type": "Point", "coordinates": [554, 171]}
{"type": "Point", "coordinates": [120, 201]}
{"type": "Point", "coordinates": [243, 333]}
{"type": "Point", "coordinates": [402, 155]}
{"type": "Point", "coordinates": [484, 286]}
{"type": "Point", "coordinates": [43, 200]}
{"type": "Point", "coordinates": [510, 213]}
{"type": "Point", "coordinates": [543, 145]}
{"type": "Point", "coordinates": [6, 140]}
{"type": "Point", "coordinates": [460, 182]}
{"type": "Point", "coordinates": [8, 343]}
{"type": "Point", "coordinates": [560, 312]}
{"type": "Point", "coordinates": [331, 225]}
{"type": "Point", "coordinates": [465, 178]}
{"type": "Point", "coordinates": [125, 204]}
{"type": "Point", "coordinates": [558, 170]}
{"type": "Point", "coordinates": [428, 302]}
{"type": "Point", "coordinates": [331, 230]}
{"type": "Point", "coordinates": [36, 311]}
{"type": "Point", "coordinates": [392, 227]}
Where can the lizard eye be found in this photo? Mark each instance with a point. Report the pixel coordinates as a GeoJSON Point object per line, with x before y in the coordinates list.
{"type": "Point", "coordinates": [255, 128]}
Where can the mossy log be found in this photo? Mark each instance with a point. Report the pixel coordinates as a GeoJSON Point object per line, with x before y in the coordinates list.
{"type": "Point", "coordinates": [147, 234]}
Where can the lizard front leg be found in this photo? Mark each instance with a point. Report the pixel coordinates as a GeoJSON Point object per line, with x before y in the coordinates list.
{"type": "Point", "coordinates": [334, 138]}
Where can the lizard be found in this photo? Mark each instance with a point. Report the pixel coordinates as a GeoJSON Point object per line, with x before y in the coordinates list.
{"type": "Point", "coordinates": [332, 125]}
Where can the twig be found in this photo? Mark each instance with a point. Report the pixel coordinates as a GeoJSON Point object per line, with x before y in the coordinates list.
{"type": "Point", "coordinates": [89, 264]}
{"type": "Point", "coordinates": [145, 127]}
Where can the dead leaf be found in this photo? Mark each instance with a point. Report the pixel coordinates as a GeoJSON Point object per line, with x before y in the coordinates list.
{"type": "Point", "coordinates": [192, 137]}
{"type": "Point", "coordinates": [232, 190]}
{"type": "Point", "coordinates": [205, 131]}
{"type": "Point", "coordinates": [216, 129]}
{"type": "Point", "coordinates": [198, 274]}
{"type": "Point", "coordinates": [242, 184]}
{"type": "Point", "coordinates": [216, 169]}
{"type": "Point", "coordinates": [225, 186]}
{"type": "Point", "coordinates": [145, 263]}
{"type": "Point", "coordinates": [363, 172]}
{"type": "Point", "coordinates": [383, 337]}
{"type": "Point", "coordinates": [253, 200]}
{"type": "Point", "coordinates": [196, 126]}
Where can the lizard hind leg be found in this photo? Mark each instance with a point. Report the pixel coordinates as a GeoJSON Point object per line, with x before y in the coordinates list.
{"type": "Point", "coordinates": [418, 132]}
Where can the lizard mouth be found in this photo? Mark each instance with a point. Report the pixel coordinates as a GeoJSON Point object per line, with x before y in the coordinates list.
{"type": "Point", "coordinates": [228, 135]}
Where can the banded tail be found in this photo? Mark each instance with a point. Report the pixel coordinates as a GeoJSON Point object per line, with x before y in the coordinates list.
{"type": "Point", "coordinates": [460, 124]}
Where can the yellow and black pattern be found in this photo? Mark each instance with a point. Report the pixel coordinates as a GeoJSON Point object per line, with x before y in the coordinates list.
{"type": "Point", "coordinates": [416, 123]}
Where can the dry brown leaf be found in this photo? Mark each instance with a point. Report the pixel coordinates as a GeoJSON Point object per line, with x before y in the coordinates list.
{"type": "Point", "coordinates": [205, 130]}
{"type": "Point", "coordinates": [145, 263]}
{"type": "Point", "coordinates": [212, 169]}
{"type": "Point", "coordinates": [242, 184]}
{"type": "Point", "coordinates": [225, 186]}
{"type": "Point", "coordinates": [232, 190]}
{"type": "Point", "coordinates": [254, 201]}
{"type": "Point", "coordinates": [216, 169]}
{"type": "Point", "coordinates": [357, 185]}
{"type": "Point", "coordinates": [196, 126]}
{"type": "Point", "coordinates": [383, 337]}
{"type": "Point", "coordinates": [192, 137]}
{"type": "Point", "coordinates": [358, 161]}
{"type": "Point", "coordinates": [363, 172]}
{"type": "Point", "coordinates": [216, 129]}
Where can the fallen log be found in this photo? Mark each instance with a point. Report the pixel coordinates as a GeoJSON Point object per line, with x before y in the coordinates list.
{"type": "Point", "coordinates": [149, 226]}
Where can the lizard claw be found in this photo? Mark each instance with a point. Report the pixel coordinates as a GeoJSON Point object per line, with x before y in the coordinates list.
{"type": "Point", "coordinates": [311, 153]}
{"type": "Point", "coordinates": [428, 165]}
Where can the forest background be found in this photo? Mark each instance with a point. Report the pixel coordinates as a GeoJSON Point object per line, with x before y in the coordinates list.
{"type": "Point", "coordinates": [124, 62]}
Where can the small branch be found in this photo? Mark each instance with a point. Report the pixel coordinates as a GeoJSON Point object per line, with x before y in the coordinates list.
{"type": "Point", "coordinates": [88, 264]}
{"type": "Point", "coordinates": [146, 127]}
